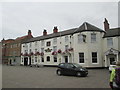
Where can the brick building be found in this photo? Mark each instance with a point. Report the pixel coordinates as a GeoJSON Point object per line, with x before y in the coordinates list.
{"type": "Point", "coordinates": [11, 49]}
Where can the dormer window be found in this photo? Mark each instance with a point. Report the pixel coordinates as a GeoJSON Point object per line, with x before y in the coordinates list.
{"type": "Point", "coordinates": [81, 38]}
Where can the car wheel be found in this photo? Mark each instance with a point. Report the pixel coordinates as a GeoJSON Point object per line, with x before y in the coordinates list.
{"type": "Point", "coordinates": [59, 72]}
{"type": "Point", "coordinates": [79, 74]}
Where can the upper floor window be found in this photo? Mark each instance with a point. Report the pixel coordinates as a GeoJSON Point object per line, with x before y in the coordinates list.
{"type": "Point", "coordinates": [54, 40]}
{"type": "Point", "coordinates": [30, 44]}
{"type": "Point", "coordinates": [54, 48]}
{"type": "Point", "coordinates": [93, 37]}
{"type": "Point", "coordinates": [109, 41]}
{"type": "Point", "coordinates": [42, 43]}
{"type": "Point", "coordinates": [42, 50]}
{"type": "Point", "coordinates": [66, 39]}
{"type": "Point", "coordinates": [36, 43]}
{"type": "Point", "coordinates": [81, 38]}
{"type": "Point", "coordinates": [35, 50]}
{"type": "Point", "coordinates": [66, 47]}
{"type": "Point", "coordinates": [48, 43]}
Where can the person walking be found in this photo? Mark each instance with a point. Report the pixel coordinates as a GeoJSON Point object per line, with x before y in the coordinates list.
{"type": "Point", "coordinates": [115, 77]}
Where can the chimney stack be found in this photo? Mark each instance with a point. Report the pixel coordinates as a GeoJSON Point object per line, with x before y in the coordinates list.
{"type": "Point", "coordinates": [106, 24]}
{"type": "Point", "coordinates": [44, 32]}
{"type": "Point", "coordinates": [55, 30]}
{"type": "Point", "coordinates": [29, 33]}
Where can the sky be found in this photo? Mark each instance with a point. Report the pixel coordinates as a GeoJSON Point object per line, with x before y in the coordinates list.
{"type": "Point", "coordinates": [19, 17]}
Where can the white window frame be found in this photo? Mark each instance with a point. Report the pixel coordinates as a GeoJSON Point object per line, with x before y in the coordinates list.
{"type": "Point", "coordinates": [93, 37]}
{"type": "Point", "coordinates": [66, 39]}
{"type": "Point", "coordinates": [54, 40]}
{"type": "Point", "coordinates": [109, 42]}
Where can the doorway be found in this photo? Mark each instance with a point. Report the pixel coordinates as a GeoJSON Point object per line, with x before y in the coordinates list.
{"type": "Point", "coordinates": [25, 61]}
{"type": "Point", "coordinates": [66, 59]}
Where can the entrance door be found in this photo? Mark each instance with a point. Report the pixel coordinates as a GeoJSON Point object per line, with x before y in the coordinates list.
{"type": "Point", "coordinates": [10, 61]}
{"type": "Point", "coordinates": [112, 59]}
{"type": "Point", "coordinates": [66, 59]}
{"type": "Point", "coordinates": [25, 61]}
{"type": "Point", "coordinates": [29, 60]}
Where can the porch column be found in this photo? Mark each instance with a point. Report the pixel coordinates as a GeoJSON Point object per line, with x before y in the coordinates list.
{"type": "Point", "coordinates": [106, 61]}
{"type": "Point", "coordinates": [117, 57]}
{"type": "Point", "coordinates": [28, 60]}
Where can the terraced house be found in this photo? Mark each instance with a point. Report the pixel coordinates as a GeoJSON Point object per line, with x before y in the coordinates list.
{"type": "Point", "coordinates": [11, 49]}
{"type": "Point", "coordinates": [86, 45]}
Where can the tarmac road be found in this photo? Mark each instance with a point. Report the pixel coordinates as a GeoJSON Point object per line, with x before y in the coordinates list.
{"type": "Point", "coordinates": [45, 77]}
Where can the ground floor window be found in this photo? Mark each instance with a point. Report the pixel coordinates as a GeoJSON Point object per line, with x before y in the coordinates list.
{"type": "Point", "coordinates": [55, 58]}
{"type": "Point", "coordinates": [42, 59]}
{"type": "Point", "coordinates": [35, 59]}
{"type": "Point", "coordinates": [94, 57]}
{"type": "Point", "coordinates": [32, 60]}
{"type": "Point", "coordinates": [48, 58]}
{"type": "Point", "coordinates": [81, 57]}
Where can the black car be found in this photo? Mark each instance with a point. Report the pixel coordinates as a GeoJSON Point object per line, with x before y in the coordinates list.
{"type": "Point", "coordinates": [71, 69]}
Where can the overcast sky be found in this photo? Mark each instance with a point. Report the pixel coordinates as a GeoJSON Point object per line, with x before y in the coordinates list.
{"type": "Point", "coordinates": [18, 17]}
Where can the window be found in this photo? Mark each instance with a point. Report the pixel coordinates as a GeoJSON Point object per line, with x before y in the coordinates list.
{"type": "Point", "coordinates": [32, 60]}
{"type": "Point", "coordinates": [30, 50]}
{"type": "Point", "coordinates": [54, 48]}
{"type": "Point", "coordinates": [94, 57]}
{"type": "Point", "coordinates": [48, 43]}
{"type": "Point", "coordinates": [66, 38]}
{"type": "Point", "coordinates": [55, 41]}
{"type": "Point", "coordinates": [42, 43]}
{"type": "Point", "coordinates": [81, 57]}
{"type": "Point", "coordinates": [30, 44]}
{"type": "Point", "coordinates": [109, 42]}
{"type": "Point", "coordinates": [48, 58]}
{"type": "Point", "coordinates": [35, 50]}
{"type": "Point", "coordinates": [42, 50]}
{"type": "Point", "coordinates": [35, 59]}
{"type": "Point", "coordinates": [66, 47]}
{"type": "Point", "coordinates": [42, 59]}
{"type": "Point", "coordinates": [36, 43]}
{"type": "Point", "coordinates": [93, 37]}
{"type": "Point", "coordinates": [55, 58]}
{"type": "Point", "coordinates": [81, 38]}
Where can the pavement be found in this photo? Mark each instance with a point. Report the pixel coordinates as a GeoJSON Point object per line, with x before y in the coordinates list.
{"type": "Point", "coordinates": [46, 77]}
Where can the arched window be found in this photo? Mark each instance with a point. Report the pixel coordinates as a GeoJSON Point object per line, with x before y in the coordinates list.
{"type": "Point", "coordinates": [48, 58]}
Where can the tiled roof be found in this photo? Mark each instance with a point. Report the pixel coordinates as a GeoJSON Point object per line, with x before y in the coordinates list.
{"type": "Point", "coordinates": [88, 27]}
{"type": "Point", "coordinates": [84, 27]}
{"type": "Point", "coordinates": [112, 32]}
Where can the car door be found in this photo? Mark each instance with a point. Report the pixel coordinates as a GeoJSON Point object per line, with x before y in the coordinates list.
{"type": "Point", "coordinates": [70, 70]}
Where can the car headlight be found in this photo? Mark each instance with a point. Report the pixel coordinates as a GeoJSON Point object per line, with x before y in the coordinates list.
{"type": "Point", "coordinates": [81, 69]}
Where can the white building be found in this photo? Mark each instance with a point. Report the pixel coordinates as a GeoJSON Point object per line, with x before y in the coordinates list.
{"type": "Point", "coordinates": [86, 45]}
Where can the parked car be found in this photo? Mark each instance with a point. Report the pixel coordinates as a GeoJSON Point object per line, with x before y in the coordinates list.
{"type": "Point", "coordinates": [71, 69]}
{"type": "Point", "coordinates": [112, 66]}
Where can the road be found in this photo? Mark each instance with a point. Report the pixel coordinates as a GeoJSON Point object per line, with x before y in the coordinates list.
{"type": "Point", "coordinates": [45, 77]}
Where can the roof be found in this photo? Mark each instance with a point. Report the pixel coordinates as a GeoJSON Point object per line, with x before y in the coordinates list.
{"type": "Point", "coordinates": [88, 27]}
{"type": "Point", "coordinates": [20, 38]}
{"type": "Point", "coordinates": [84, 27]}
{"type": "Point", "coordinates": [112, 32]}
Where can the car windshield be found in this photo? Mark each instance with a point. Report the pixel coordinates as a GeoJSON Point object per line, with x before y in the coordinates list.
{"type": "Point", "coordinates": [76, 65]}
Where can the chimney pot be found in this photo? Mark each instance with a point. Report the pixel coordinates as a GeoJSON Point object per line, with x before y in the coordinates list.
{"type": "Point", "coordinates": [55, 30]}
{"type": "Point", "coordinates": [44, 32]}
{"type": "Point", "coordinates": [106, 24]}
